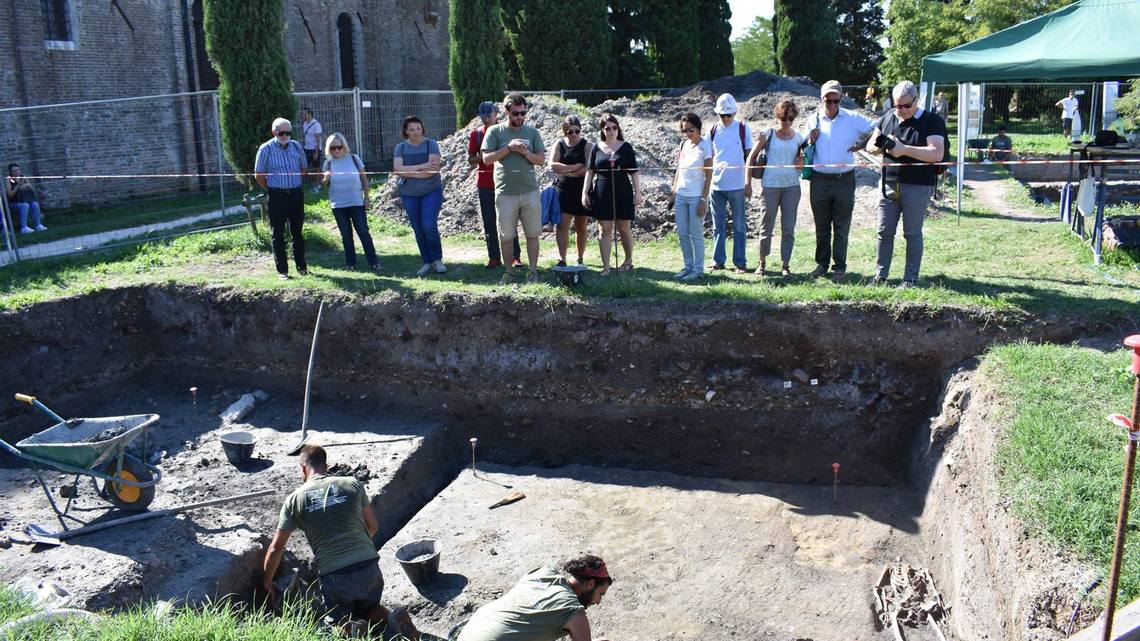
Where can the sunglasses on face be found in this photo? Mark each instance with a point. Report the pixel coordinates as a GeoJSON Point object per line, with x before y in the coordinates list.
{"type": "Point", "coordinates": [832, 101]}
{"type": "Point", "coordinates": [284, 133]}
{"type": "Point", "coordinates": [725, 115]}
{"type": "Point", "coordinates": [573, 132]}
{"type": "Point", "coordinates": [336, 147]}
{"type": "Point", "coordinates": [610, 128]}
{"type": "Point", "coordinates": [518, 113]}
{"type": "Point", "coordinates": [906, 106]}
{"type": "Point", "coordinates": [786, 119]}
{"type": "Point", "coordinates": [688, 130]}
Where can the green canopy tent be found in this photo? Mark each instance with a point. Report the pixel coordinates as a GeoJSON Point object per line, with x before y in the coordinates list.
{"type": "Point", "coordinates": [1093, 39]}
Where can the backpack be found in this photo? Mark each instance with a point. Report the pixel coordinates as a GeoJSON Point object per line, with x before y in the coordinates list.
{"type": "Point", "coordinates": [712, 140]}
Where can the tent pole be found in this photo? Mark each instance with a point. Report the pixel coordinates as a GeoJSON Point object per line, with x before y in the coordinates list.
{"type": "Point", "coordinates": [963, 115]}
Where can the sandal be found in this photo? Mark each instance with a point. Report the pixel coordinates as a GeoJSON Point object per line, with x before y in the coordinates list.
{"type": "Point", "coordinates": [509, 278]}
{"type": "Point", "coordinates": [625, 267]}
{"type": "Point", "coordinates": [604, 272]}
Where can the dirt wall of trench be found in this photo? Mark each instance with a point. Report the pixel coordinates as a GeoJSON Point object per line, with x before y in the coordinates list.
{"type": "Point", "coordinates": [710, 390]}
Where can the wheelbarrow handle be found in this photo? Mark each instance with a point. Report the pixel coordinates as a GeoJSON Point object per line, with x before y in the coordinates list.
{"type": "Point", "coordinates": [31, 400]}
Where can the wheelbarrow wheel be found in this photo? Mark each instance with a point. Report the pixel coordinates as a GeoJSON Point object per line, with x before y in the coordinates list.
{"type": "Point", "coordinates": [129, 497]}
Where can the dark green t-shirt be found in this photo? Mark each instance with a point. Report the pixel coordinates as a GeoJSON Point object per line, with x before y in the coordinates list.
{"type": "Point", "coordinates": [330, 511]}
{"type": "Point", "coordinates": [513, 173]}
{"type": "Point", "coordinates": [536, 609]}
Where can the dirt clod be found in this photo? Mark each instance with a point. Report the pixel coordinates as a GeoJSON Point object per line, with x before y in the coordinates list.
{"type": "Point", "coordinates": [360, 471]}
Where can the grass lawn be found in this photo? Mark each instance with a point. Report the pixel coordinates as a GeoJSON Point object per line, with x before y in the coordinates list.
{"type": "Point", "coordinates": [1060, 461]}
{"type": "Point", "coordinates": [986, 261]}
{"type": "Point", "coordinates": [217, 622]}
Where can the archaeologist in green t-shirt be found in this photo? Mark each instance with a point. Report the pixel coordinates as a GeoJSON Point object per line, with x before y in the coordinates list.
{"type": "Point", "coordinates": [337, 519]}
{"type": "Point", "coordinates": [544, 605]}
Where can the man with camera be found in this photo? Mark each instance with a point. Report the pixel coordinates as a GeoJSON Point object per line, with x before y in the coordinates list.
{"type": "Point", "coordinates": [910, 140]}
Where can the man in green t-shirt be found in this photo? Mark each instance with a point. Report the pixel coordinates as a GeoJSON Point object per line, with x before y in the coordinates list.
{"type": "Point", "coordinates": [515, 149]}
{"type": "Point", "coordinates": [337, 519]}
{"type": "Point", "coordinates": [544, 605]}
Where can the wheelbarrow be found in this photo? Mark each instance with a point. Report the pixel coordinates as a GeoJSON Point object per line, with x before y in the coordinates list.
{"type": "Point", "coordinates": [95, 448]}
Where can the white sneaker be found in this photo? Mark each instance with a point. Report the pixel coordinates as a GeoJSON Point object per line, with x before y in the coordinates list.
{"type": "Point", "coordinates": [440, 268]}
{"type": "Point", "coordinates": [423, 271]}
{"type": "Point", "coordinates": [41, 228]}
{"type": "Point", "coordinates": [26, 230]}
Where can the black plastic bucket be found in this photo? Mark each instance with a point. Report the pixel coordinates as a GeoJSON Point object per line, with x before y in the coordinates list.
{"type": "Point", "coordinates": [238, 446]}
{"type": "Point", "coordinates": [420, 560]}
{"type": "Point", "coordinates": [570, 275]}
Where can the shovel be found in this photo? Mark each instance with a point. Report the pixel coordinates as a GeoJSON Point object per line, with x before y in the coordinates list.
{"type": "Point", "coordinates": [308, 384]}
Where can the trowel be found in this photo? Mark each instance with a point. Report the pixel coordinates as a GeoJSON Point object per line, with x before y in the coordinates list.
{"type": "Point", "coordinates": [308, 384]}
{"type": "Point", "coordinates": [510, 497]}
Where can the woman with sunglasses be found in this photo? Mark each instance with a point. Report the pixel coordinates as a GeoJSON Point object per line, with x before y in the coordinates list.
{"type": "Point", "coordinates": [691, 186]}
{"type": "Point", "coordinates": [780, 184]}
{"type": "Point", "coordinates": [569, 165]}
{"type": "Point", "coordinates": [416, 163]}
{"type": "Point", "coordinates": [612, 189]}
{"type": "Point", "coordinates": [347, 183]}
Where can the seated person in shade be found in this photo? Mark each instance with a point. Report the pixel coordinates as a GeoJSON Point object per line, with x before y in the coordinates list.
{"type": "Point", "coordinates": [1000, 146]}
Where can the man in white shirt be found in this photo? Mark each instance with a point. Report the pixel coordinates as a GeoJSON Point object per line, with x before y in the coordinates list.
{"type": "Point", "coordinates": [731, 141]}
{"type": "Point", "coordinates": [312, 131]}
{"type": "Point", "coordinates": [836, 133]}
{"type": "Point", "coordinates": [1068, 112]}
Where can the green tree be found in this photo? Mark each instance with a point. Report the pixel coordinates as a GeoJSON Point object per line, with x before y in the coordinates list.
{"type": "Point", "coordinates": [858, 53]}
{"type": "Point", "coordinates": [674, 40]}
{"type": "Point", "coordinates": [630, 42]}
{"type": "Point", "coordinates": [475, 58]}
{"type": "Point", "coordinates": [753, 51]}
{"type": "Point", "coordinates": [529, 25]}
{"type": "Point", "coordinates": [714, 31]}
{"type": "Point", "coordinates": [805, 31]}
{"type": "Point", "coordinates": [245, 46]}
{"type": "Point", "coordinates": [918, 28]}
{"type": "Point", "coordinates": [1128, 107]}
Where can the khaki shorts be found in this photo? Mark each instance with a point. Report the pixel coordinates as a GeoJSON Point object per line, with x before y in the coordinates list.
{"type": "Point", "coordinates": [515, 207]}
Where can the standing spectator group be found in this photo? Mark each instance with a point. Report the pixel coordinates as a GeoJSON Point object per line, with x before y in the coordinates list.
{"type": "Point", "coordinates": [601, 180]}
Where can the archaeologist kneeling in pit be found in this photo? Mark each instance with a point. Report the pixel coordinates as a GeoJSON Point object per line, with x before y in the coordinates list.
{"type": "Point", "coordinates": [337, 519]}
{"type": "Point", "coordinates": [544, 605]}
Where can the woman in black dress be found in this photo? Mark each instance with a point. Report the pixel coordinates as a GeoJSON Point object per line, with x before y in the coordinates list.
{"type": "Point", "coordinates": [569, 165]}
{"type": "Point", "coordinates": [612, 190]}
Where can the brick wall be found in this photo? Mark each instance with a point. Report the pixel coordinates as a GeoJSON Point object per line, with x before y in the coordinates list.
{"type": "Point", "coordinates": [398, 45]}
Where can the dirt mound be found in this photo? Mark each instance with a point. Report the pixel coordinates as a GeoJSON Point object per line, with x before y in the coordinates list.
{"type": "Point", "coordinates": [650, 125]}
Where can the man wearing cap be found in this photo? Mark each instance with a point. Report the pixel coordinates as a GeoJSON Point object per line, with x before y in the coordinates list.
{"type": "Point", "coordinates": [836, 132]}
{"type": "Point", "coordinates": [731, 140]}
{"type": "Point", "coordinates": [544, 605]}
{"type": "Point", "coordinates": [488, 113]}
{"type": "Point", "coordinates": [910, 140]}
{"type": "Point", "coordinates": [280, 168]}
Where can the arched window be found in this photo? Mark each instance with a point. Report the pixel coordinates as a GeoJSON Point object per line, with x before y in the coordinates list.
{"type": "Point", "coordinates": [347, 41]}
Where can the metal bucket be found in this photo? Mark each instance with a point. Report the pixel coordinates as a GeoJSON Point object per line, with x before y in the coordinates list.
{"type": "Point", "coordinates": [238, 446]}
{"type": "Point", "coordinates": [570, 275]}
{"type": "Point", "coordinates": [420, 560]}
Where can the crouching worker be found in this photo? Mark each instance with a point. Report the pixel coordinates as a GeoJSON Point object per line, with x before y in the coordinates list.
{"type": "Point", "coordinates": [544, 605]}
{"type": "Point", "coordinates": [337, 519]}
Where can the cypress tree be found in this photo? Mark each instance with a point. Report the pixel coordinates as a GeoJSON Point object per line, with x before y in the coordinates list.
{"type": "Point", "coordinates": [674, 41]}
{"type": "Point", "coordinates": [807, 33]}
{"type": "Point", "coordinates": [475, 66]}
{"type": "Point", "coordinates": [244, 43]}
{"type": "Point", "coordinates": [715, 39]}
{"type": "Point", "coordinates": [537, 28]}
{"type": "Point", "coordinates": [631, 32]}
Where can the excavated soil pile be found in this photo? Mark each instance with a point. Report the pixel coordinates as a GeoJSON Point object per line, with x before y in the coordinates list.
{"type": "Point", "coordinates": [651, 127]}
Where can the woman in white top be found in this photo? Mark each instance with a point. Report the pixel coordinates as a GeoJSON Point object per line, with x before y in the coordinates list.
{"type": "Point", "coordinates": [691, 186]}
{"type": "Point", "coordinates": [781, 183]}
{"type": "Point", "coordinates": [347, 183]}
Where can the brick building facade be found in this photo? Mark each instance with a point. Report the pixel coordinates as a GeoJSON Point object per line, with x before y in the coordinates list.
{"type": "Point", "coordinates": [62, 51]}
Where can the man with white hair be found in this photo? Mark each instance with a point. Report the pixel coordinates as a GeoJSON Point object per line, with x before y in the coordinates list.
{"type": "Point", "coordinates": [910, 139]}
{"type": "Point", "coordinates": [836, 132]}
{"type": "Point", "coordinates": [280, 169]}
{"type": "Point", "coordinates": [731, 140]}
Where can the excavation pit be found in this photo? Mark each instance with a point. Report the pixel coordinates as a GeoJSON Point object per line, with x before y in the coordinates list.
{"type": "Point", "coordinates": [693, 448]}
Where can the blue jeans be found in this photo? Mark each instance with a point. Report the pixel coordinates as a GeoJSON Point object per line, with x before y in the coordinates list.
{"type": "Point", "coordinates": [346, 219]}
{"type": "Point", "coordinates": [721, 201]}
{"type": "Point", "coordinates": [423, 214]}
{"type": "Point", "coordinates": [23, 208]}
{"type": "Point", "coordinates": [691, 232]}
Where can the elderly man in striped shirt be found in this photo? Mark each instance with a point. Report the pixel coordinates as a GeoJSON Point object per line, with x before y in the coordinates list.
{"type": "Point", "coordinates": [280, 169]}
